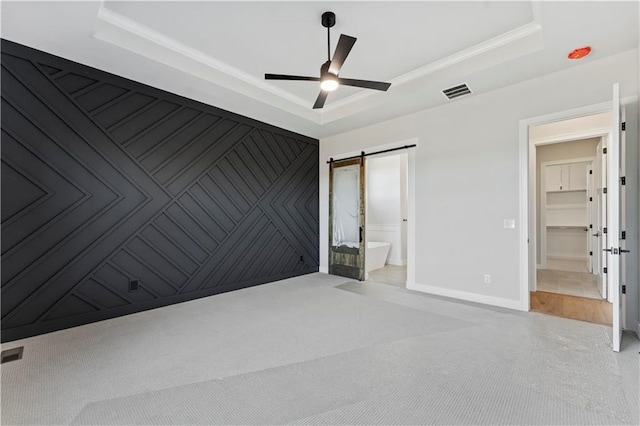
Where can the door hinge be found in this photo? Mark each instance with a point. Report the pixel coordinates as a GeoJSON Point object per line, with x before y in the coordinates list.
{"type": "Point", "coordinates": [623, 235]}
{"type": "Point", "coordinates": [623, 180]}
{"type": "Point", "coordinates": [591, 226]}
{"type": "Point", "coordinates": [604, 230]}
{"type": "Point", "coordinates": [590, 198]}
{"type": "Point", "coordinates": [590, 253]}
{"type": "Point", "coordinates": [604, 150]}
{"type": "Point", "coordinates": [624, 289]}
{"type": "Point", "coordinates": [604, 190]}
{"type": "Point", "coordinates": [590, 172]}
{"type": "Point", "coordinates": [605, 269]}
{"type": "Point", "coordinates": [624, 126]}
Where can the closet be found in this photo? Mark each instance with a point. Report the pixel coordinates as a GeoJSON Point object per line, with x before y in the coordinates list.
{"type": "Point", "coordinates": [565, 210]}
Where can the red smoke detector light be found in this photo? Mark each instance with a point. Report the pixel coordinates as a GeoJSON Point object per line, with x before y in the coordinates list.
{"type": "Point", "coordinates": [579, 53]}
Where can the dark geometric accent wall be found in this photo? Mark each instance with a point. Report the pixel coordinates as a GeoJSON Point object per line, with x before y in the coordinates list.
{"type": "Point", "coordinates": [105, 180]}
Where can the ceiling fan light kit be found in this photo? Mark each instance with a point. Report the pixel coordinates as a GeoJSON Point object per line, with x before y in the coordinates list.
{"type": "Point", "coordinates": [329, 79]}
{"type": "Point", "coordinates": [329, 84]}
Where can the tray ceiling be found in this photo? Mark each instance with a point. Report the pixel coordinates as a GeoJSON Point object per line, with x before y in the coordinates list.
{"type": "Point", "coordinates": [218, 52]}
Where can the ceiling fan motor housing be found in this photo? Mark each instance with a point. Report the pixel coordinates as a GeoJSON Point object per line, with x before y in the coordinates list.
{"type": "Point", "coordinates": [328, 19]}
{"type": "Point", "coordinates": [324, 69]}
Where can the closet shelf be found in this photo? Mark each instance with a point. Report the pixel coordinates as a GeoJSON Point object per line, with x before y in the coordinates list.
{"type": "Point", "coordinates": [581, 206]}
{"type": "Point", "coordinates": [566, 190]}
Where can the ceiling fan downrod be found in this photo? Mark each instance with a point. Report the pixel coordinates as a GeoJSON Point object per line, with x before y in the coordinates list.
{"type": "Point", "coordinates": [328, 21]}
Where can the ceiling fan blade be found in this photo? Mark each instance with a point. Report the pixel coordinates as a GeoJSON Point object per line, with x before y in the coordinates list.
{"type": "Point", "coordinates": [322, 97]}
{"type": "Point", "coordinates": [376, 85]}
{"type": "Point", "coordinates": [289, 77]}
{"type": "Point", "coordinates": [345, 43]}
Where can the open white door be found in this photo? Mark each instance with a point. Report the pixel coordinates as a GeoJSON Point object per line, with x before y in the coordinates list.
{"type": "Point", "coordinates": [613, 219]}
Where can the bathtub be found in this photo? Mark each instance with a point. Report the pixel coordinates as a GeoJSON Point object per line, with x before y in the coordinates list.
{"type": "Point", "coordinates": [376, 255]}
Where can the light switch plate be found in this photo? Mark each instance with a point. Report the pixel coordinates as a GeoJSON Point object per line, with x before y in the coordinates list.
{"type": "Point", "coordinates": [509, 224]}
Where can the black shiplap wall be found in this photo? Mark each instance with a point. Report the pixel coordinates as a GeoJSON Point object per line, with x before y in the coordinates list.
{"type": "Point", "coordinates": [106, 180]}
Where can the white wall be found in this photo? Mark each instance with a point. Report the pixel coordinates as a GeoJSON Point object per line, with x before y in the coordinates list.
{"type": "Point", "coordinates": [404, 190]}
{"type": "Point", "coordinates": [567, 244]}
{"type": "Point", "coordinates": [384, 204]}
{"type": "Point", "coordinates": [632, 214]}
{"type": "Point", "coordinates": [383, 190]}
{"type": "Point", "coordinates": [467, 175]}
{"type": "Point", "coordinates": [636, 232]}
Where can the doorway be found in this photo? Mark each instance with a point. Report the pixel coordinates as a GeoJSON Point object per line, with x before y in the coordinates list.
{"type": "Point", "coordinates": [407, 147]}
{"type": "Point", "coordinates": [386, 219]}
{"type": "Point", "coordinates": [614, 264]}
{"type": "Point", "coordinates": [569, 218]}
{"type": "Point", "coordinates": [615, 244]}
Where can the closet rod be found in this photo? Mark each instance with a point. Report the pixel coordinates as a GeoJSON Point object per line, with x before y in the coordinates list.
{"type": "Point", "coordinates": [331, 160]}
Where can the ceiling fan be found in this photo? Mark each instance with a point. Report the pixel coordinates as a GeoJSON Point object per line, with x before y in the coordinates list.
{"type": "Point", "coordinates": [329, 79]}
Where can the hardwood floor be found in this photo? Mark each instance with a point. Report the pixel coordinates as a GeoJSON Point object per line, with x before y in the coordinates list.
{"type": "Point", "coordinates": [574, 307]}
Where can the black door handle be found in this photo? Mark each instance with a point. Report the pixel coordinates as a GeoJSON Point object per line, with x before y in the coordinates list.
{"type": "Point", "coordinates": [361, 234]}
{"type": "Point", "coordinates": [624, 251]}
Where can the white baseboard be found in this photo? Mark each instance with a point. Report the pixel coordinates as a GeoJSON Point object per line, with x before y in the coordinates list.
{"type": "Point", "coordinates": [397, 262]}
{"type": "Point", "coordinates": [470, 297]}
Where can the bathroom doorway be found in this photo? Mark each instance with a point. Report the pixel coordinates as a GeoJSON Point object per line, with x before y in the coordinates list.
{"type": "Point", "coordinates": [346, 247]}
{"type": "Point", "coordinates": [386, 218]}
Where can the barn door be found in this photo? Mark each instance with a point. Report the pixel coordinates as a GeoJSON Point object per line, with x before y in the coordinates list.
{"type": "Point", "coordinates": [346, 218]}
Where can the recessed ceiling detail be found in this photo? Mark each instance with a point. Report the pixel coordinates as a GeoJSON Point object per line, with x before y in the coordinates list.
{"type": "Point", "coordinates": [217, 52]}
{"type": "Point", "coordinates": [123, 24]}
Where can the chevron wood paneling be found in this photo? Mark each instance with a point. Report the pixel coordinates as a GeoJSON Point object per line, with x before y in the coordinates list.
{"type": "Point", "coordinates": [105, 180]}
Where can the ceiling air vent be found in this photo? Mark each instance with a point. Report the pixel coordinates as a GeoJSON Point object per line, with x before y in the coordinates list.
{"type": "Point", "coordinates": [454, 92]}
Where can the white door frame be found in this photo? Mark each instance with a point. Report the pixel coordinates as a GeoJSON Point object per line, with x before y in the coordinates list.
{"type": "Point", "coordinates": [527, 183]}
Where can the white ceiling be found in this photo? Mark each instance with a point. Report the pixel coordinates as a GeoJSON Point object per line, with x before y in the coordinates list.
{"type": "Point", "coordinates": [217, 52]}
